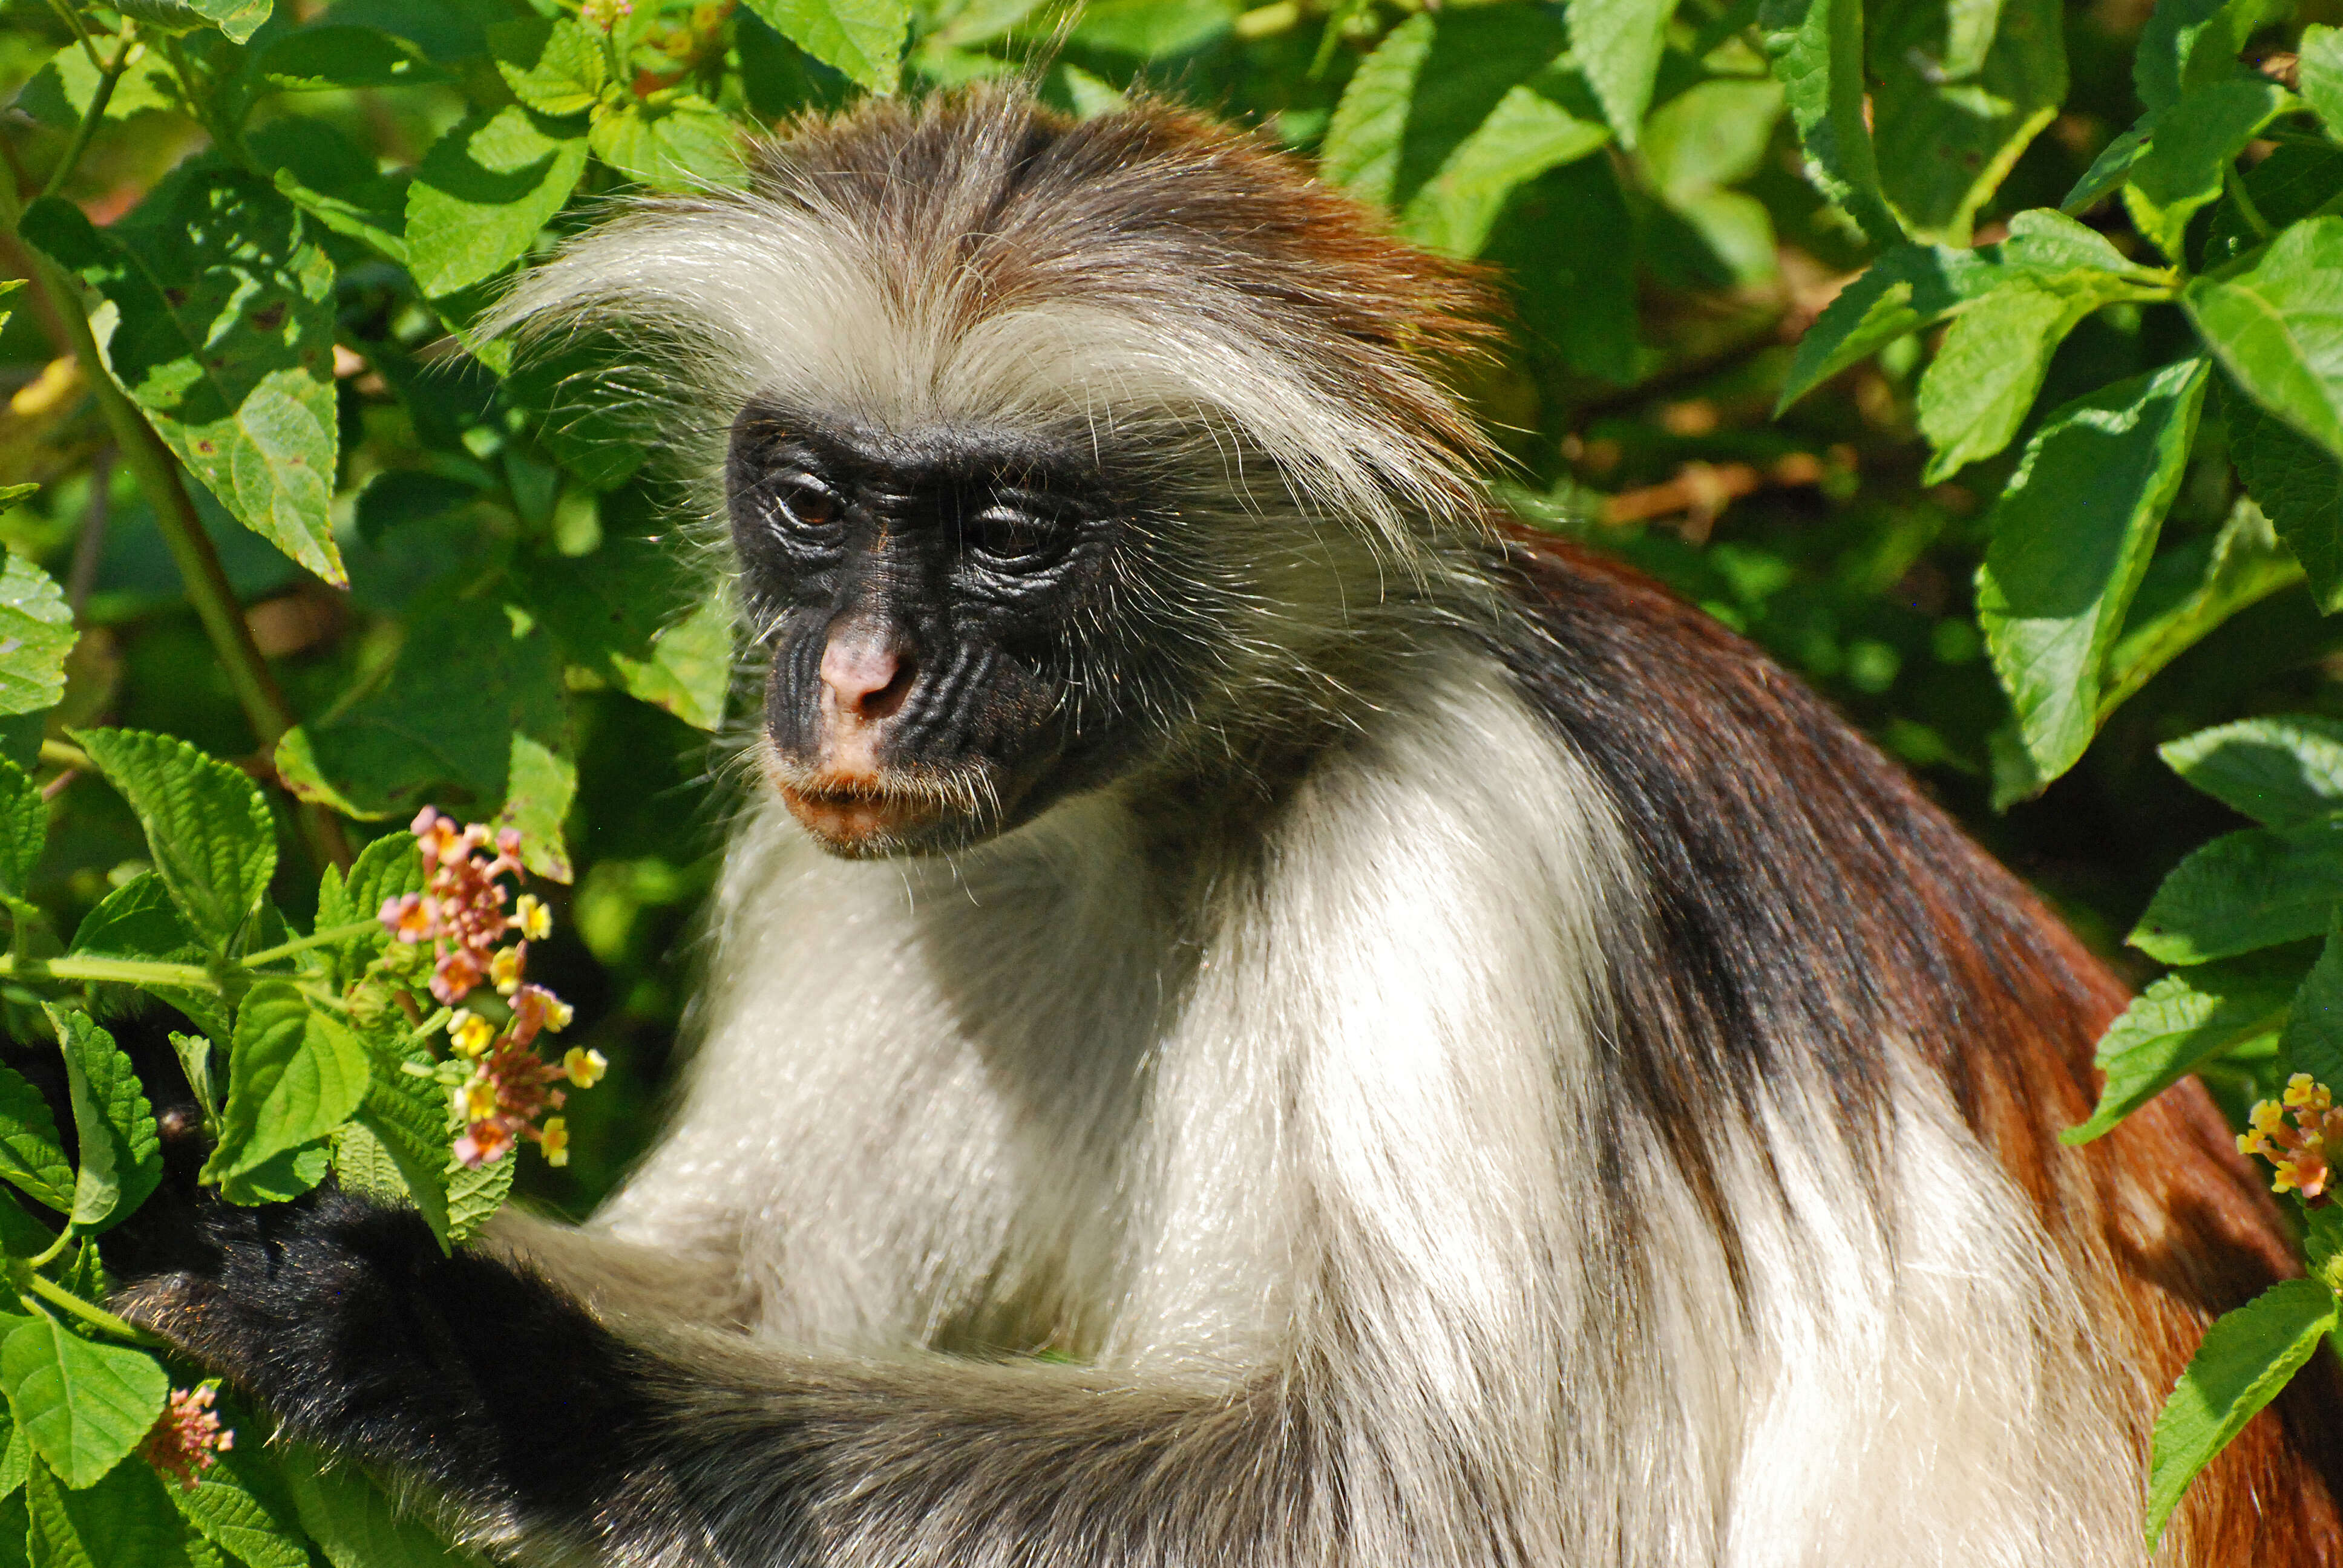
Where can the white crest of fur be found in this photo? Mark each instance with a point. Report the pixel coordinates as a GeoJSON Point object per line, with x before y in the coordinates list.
{"type": "Point", "coordinates": [734, 297]}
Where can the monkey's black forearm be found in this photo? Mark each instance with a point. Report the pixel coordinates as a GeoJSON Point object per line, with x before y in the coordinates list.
{"type": "Point", "coordinates": [487, 1384]}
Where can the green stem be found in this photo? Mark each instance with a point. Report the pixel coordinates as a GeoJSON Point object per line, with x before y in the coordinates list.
{"type": "Point", "coordinates": [107, 76]}
{"type": "Point", "coordinates": [80, 33]}
{"type": "Point", "coordinates": [157, 471]}
{"type": "Point", "coordinates": [118, 971]}
{"type": "Point", "coordinates": [49, 1254]}
{"type": "Point", "coordinates": [98, 1317]}
{"type": "Point", "coordinates": [58, 754]}
{"type": "Point", "coordinates": [315, 939]}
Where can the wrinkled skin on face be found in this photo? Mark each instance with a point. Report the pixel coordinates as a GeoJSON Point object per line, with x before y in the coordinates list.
{"type": "Point", "coordinates": [954, 645]}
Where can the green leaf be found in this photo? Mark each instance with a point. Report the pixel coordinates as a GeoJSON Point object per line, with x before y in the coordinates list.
{"type": "Point", "coordinates": [139, 920]}
{"type": "Point", "coordinates": [474, 1192]}
{"type": "Point", "coordinates": [2195, 143]}
{"type": "Point", "coordinates": [2188, 593]}
{"type": "Point", "coordinates": [2279, 771]}
{"type": "Point", "coordinates": [334, 181]}
{"type": "Point", "coordinates": [1525, 135]}
{"type": "Point", "coordinates": [2318, 67]}
{"type": "Point", "coordinates": [680, 143]}
{"type": "Point", "coordinates": [30, 1154]}
{"type": "Point", "coordinates": [2312, 1041]}
{"type": "Point", "coordinates": [208, 828]}
{"type": "Point", "coordinates": [2180, 1021]}
{"type": "Point", "coordinates": [1976, 393]}
{"type": "Point", "coordinates": [482, 192]}
{"type": "Point", "coordinates": [331, 57]}
{"type": "Point", "coordinates": [540, 783]}
{"type": "Point", "coordinates": [386, 868]}
{"type": "Point", "coordinates": [2277, 327]}
{"type": "Point", "coordinates": [1618, 44]}
{"type": "Point", "coordinates": [239, 19]}
{"type": "Point", "coordinates": [552, 64]}
{"type": "Point", "coordinates": [2188, 43]}
{"type": "Point", "coordinates": [1154, 30]}
{"type": "Point", "coordinates": [2298, 484]}
{"type": "Point", "coordinates": [1431, 87]}
{"type": "Point", "coordinates": [407, 1117]}
{"type": "Point", "coordinates": [1817, 50]}
{"type": "Point", "coordinates": [222, 331]}
{"type": "Point", "coordinates": [466, 680]}
{"type": "Point", "coordinates": [1947, 137]}
{"type": "Point", "coordinates": [2294, 182]}
{"type": "Point", "coordinates": [280, 1177]}
{"type": "Point", "coordinates": [121, 1152]}
{"type": "Point", "coordinates": [2248, 1356]}
{"type": "Point", "coordinates": [356, 1525]}
{"type": "Point", "coordinates": [2246, 891]}
{"type": "Point", "coordinates": [295, 1075]}
{"type": "Point", "coordinates": [242, 1506]}
{"type": "Point", "coordinates": [615, 611]}
{"type": "Point", "coordinates": [123, 1520]}
{"type": "Point", "coordinates": [37, 633]}
{"type": "Point", "coordinates": [83, 1404]}
{"type": "Point", "coordinates": [2072, 535]}
{"type": "Point", "coordinates": [863, 38]}
{"type": "Point", "coordinates": [1914, 286]}
{"type": "Point", "coordinates": [2112, 166]}
{"type": "Point", "coordinates": [61, 92]}
{"type": "Point", "coordinates": [23, 829]}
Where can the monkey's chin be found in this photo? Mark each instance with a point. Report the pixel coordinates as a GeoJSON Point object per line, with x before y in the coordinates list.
{"type": "Point", "coordinates": [866, 816]}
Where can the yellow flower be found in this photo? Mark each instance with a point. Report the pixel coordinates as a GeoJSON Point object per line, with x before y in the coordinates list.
{"type": "Point", "coordinates": [2268, 1118]}
{"type": "Point", "coordinates": [531, 918]}
{"type": "Point", "coordinates": [469, 1034]}
{"type": "Point", "coordinates": [555, 1140]}
{"type": "Point", "coordinates": [558, 1013]}
{"type": "Point", "coordinates": [504, 968]}
{"type": "Point", "coordinates": [2305, 1093]}
{"type": "Point", "coordinates": [585, 1067]}
{"type": "Point", "coordinates": [478, 1097]}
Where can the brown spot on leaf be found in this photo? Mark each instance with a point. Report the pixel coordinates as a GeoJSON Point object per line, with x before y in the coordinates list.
{"type": "Point", "coordinates": [269, 318]}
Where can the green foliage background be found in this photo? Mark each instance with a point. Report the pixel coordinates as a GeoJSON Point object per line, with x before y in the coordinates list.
{"type": "Point", "coordinates": [1799, 325]}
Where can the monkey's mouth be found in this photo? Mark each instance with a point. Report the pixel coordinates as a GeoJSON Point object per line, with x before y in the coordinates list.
{"type": "Point", "coordinates": [891, 811]}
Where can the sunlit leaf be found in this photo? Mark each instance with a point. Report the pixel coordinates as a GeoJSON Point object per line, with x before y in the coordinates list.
{"type": "Point", "coordinates": [214, 844]}
{"type": "Point", "coordinates": [484, 190]}
{"type": "Point", "coordinates": [297, 1074]}
{"type": "Point", "coordinates": [2244, 891]}
{"type": "Point", "coordinates": [114, 1127]}
{"type": "Point", "coordinates": [863, 38]}
{"type": "Point", "coordinates": [2277, 327]}
{"type": "Point", "coordinates": [2179, 1021]}
{"type": "Point", "coordinates": [83, 1404]}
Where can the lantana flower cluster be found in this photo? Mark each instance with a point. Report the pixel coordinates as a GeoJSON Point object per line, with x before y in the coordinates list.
{"type": "Point", "coordinates": [477, 941]}
{"type": "Point", "coordinates": [188, 1436]}
{"type": "Point", "coordinates": [2295, 1134]}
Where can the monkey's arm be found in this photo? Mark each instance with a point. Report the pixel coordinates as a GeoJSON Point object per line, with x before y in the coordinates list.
{"type": "Point", "coordinates": [544, 1427]}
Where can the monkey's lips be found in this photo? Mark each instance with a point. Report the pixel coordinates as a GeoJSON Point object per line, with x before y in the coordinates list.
{"type": "Point", "coordinates": [885, 812]}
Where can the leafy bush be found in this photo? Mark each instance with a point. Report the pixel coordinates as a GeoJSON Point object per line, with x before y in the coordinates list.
{"type": "Point", "coordinates": [1980, 361]}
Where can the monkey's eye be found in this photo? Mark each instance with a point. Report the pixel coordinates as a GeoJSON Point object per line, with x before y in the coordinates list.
{"type": "Point", "coordinates": [806, 506]}
{"type": "Point", "coordinates": [1017, 538]}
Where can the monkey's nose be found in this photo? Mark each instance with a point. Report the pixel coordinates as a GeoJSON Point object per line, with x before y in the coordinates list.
{"type": "Point", "coordinates": [866, 671]}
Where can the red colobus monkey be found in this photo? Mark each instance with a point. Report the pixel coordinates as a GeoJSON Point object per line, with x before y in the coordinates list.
{"type": "Point", "coordinates": [1464, 1062]}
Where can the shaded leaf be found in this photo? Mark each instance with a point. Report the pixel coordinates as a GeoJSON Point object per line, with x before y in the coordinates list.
{"type": "Point", "coordinates": [83, 1404]}
{"type": "Point", "coordinates": [2195, 142]}
{"type": "Point", "coordinates": [2312, 1041]}
{"type": "Point", "coordinates": [31, 1157]}
{"type": "Point", "coordinates": [2072, 535]}
{"type": "Point", "coordinates": [23, 829]}
{"type": "Point", "coordinates": [139, 920]}
{"type": "Point", "coordinates": [242, 1506]}
{"type": "Point", "coordinates": [863, 38]}
{"type": "Point", "coordinates": [1816, 49]}
{"type": "Point", "coordinates": [2246, 891]}
{"type": "Point", "coordinates": [1618, 44]}
{"type": "Point", "coordinates": [1431, 86]}
{"type": "Point", "coordinates": [408, 1118]}
{"type": "Point", "coordinates": [2298, 484]}
{"type": "Point", "coordinates": [2188, 43]}
{"type": "Point", "coordinates": [553, 65]}
{"type": "Point", "coordinates": [332, 57]}
{"type": "Point", "coordinates": [123, 1520]}
{"type": "Point", "coordinates": [2181, 1020]}
{"type": "Point", "coordinates": [355, 1524]}
{"type": "Point", "coordinates": [207, 828]}
{"type": "Point", "coordinates": [1947, 135]}
{"type": "Point", "coordinates": [222, 331]}
{"type": "Point", "coordinates": [61, 92]}
{"type": "Point", "coordinates": [2187, 595]}
{"type": "Point", "coordinates": [2280, 770]}
{"type": "Point", "coordinates": [2112, 166]}
{"type": "Point", "coordinates": [2248, 1356]}
{"type": "Point", "coordinates": [239, 19]}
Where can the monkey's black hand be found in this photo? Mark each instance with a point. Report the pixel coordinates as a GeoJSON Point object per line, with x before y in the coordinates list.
{"type": "Point", "coordinates": [346, 1321]}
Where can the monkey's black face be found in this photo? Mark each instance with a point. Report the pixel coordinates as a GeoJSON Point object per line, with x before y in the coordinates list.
{"type": "Point", "coordinates": [942, 620]}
